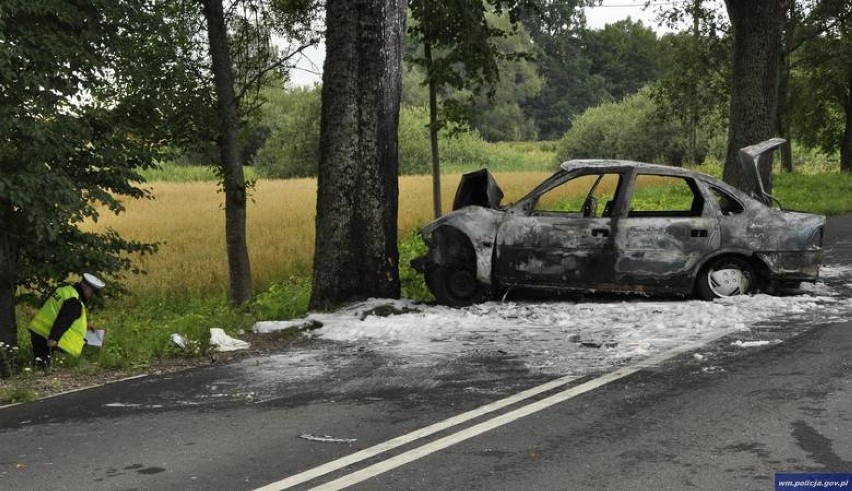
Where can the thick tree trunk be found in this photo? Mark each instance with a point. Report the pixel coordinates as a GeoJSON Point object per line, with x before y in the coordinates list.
{"type": "Point", "coordinates": [356, 254]}
{"type": "Point", "coordinates": [692, 129]}
{"type": "Point", "coordinates": [433, 134]}
{"type": "Point", "coordinates": [754, 84]}
{"type": "Point", "coordinates": [8, 285]}
{"type": "Point", "coordinates": [784, 114]}
{"type": "Point", "coordinates": [846, 145]}
{"type": "Point", "coordinates": [229, 151]}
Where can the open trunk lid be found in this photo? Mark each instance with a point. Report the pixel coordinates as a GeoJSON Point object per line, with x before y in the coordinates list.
{"type": "Point", "coordinates": [750, 159]}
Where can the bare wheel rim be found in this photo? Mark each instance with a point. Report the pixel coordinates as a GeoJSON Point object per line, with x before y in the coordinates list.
{"type": "Point", "coordinates": [728, 281]}
{"type": "Point", "coordinates": [462, 283]}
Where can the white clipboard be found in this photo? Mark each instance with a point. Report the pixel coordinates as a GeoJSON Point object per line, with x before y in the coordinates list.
{"type": "Point", "coordinates": [95, 337]}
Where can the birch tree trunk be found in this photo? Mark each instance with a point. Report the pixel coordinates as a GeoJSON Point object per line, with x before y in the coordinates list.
{"type": "Point", "coordinates": [356, 254]}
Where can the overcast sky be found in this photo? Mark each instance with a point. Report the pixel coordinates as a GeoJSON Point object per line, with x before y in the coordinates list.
{"type": "Point", "coordinates": [597, 17]}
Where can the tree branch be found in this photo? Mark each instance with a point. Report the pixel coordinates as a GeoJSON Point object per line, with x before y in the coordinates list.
{"type": "Point", "coordinates": [278, 64]}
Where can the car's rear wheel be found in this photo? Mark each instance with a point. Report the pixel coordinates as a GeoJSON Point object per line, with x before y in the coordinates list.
{"type": "Point", "coordinates": [726, 277]}
{"type": "Point", "coordinates": [455, 286]}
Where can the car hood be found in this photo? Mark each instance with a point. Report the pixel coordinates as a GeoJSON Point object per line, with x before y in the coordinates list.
{"type": "Point", "coordinates": [478, 188]}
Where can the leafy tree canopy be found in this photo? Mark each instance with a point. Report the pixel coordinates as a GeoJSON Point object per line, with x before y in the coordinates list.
{"type": "Point", "coordinates": [82, 110]}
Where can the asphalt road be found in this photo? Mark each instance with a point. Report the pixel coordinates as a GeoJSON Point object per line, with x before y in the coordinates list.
{"type": "Point", "coordinates": [727, 419]}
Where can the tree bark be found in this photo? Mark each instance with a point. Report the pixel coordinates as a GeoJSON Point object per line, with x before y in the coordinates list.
{"type": "Point", "coordinates": [8, 285]}
{"type": "Point", "coordinates": [784, 114]}
{"type": "Point", "coordinates": [433, 133]}
{"type": "Point", "coordinates": [356, 254]}
{"type": "Point", "coordinates": [754, 84]}
{"type": "Point", "coordinates": [846, 145]}
{"type": "Point", "coordinates": [233, 179]}
{"type": "Point", "coordinates": [692, 129]}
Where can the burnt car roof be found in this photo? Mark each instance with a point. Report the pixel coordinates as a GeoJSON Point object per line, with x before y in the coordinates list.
{"type": "Point", "coordinates": [612, 164]}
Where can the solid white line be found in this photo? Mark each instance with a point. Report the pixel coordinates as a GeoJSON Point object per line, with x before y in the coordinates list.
{"type": "Point", "coordinates": [414, 435]}
{"type": "Point", "coordinates": [478, 429]}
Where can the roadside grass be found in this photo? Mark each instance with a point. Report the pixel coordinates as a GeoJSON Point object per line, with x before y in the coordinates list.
{"type": "Point", "coordinates": [16, 392]}
{"type": "Point", "coordinates": [827, 194]}
{"type": "Point", "coordinates": [185, 288]}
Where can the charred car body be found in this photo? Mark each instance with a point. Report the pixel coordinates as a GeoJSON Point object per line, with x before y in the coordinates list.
{"type": "Point", "coordinates": [620, 226]}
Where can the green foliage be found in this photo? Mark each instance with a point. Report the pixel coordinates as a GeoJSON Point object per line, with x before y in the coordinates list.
{"type": "Point", "coordinates": [17, 393]}
{"type": "Point", "coordinates": [694, 83]}
{"type": "Point", "coordinates": [813, 160]}
{"type": "Point", "coordinates": [169, 171]}
{"type": "Point", "coordinates": [570, 87]}
{"type": "Point", "coordinates": [284, 300]}
{"type": "Point", "coordinates": [821, 79]}
{"type": "Point", "coordinates": [294, 155]}
{"type": "Point", "coordinates": [74, 138]}
{"type": "Point", "coordinates": [462, 150]}
{"type": "Point", "coordinates": [462, 41]}
{"type": "Point", "coordinates": [138, 331]}
{"type": "Point", "coordinates": [412, 283]}
{"type": "Point", "coordinates": [498, 116]}
{"type": "Point", "coordinates": [662, 198]}
{"type": "Point", "coordinates": [634, 129]}
{"type": "Point", "coordinates": [293, 121]}
{"type": "Point", "coordinates": [824, 193]}
{"type": "Point", "coordinates": [9, 359]}
{"type": "Point", "coordinates": [625, 55]}
{"type": "Point", "coordinates": [477, 58]}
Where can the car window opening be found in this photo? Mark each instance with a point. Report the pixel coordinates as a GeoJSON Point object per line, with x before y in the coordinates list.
{"type": "Point", "coordinates": [665, 196]}
{"type": "Point", "coordinates": [727, 204]}
{"type": "Point", "coordinates": [590, 195]}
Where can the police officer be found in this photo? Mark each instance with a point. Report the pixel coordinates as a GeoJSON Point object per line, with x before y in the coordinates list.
{"type": "Point", "coordinates": [61, 322]}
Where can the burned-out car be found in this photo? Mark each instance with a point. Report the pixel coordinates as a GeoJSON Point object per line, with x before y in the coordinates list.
{"type": "Point", "coordinates": [620, 226]}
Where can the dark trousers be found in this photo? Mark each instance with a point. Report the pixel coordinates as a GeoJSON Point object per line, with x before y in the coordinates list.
{"type": "Point", "coordinates": [40, 349]}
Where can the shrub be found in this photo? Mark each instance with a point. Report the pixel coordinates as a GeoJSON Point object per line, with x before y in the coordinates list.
{"type": "Point", "coordinates": [464, 148]}
{"type": "Point", "coordinates": [412, 283]}
{"type": "Point", "coordinates": [633, 129]}
{"type": "Point", "coordinates": [291, 148]}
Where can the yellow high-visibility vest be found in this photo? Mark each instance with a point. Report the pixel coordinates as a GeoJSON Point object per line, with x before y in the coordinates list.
{"type": "Point", "coordinates": [74, 338]}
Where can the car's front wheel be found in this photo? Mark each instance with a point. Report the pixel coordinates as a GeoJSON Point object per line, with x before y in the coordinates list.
{"type": "Point", "coordinates": [726, 277]}
{"type": "Point", "coordinates": [455, 286]}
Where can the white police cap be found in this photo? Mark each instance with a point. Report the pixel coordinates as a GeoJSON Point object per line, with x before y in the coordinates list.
{"type": "Point", "coordinates": [93, 281]}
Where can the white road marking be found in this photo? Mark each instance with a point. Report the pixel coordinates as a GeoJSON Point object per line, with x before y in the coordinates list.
{"type": "Point", "coordinates": [414, 435]}
{"type": "Point", "coordinates": [442, 443]}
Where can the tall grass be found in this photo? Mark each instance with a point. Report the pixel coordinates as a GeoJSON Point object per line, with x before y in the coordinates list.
{"type": "Point", "coordinates": [187, 219]}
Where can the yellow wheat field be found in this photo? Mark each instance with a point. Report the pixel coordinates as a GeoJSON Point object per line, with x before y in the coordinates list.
{"type": "Point", "coordinates": [187, 219]}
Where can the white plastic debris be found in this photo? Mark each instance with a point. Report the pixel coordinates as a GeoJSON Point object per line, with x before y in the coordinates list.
{"type": "Point", "coordinates": [222, 342]}
{"type": "Point", "coordinates": [326, 438]}
{"type": "Point", "coordinates": [753, 344]}
{"type": "Point", "coordinates": [179, 340]}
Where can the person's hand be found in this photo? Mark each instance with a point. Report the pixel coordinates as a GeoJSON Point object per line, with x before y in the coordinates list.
{"type": "Point", "coordinates": [51, 343]}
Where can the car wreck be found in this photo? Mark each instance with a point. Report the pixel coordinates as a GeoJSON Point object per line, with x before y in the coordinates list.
{"type": "Point", "coordinates": [620, 226]}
